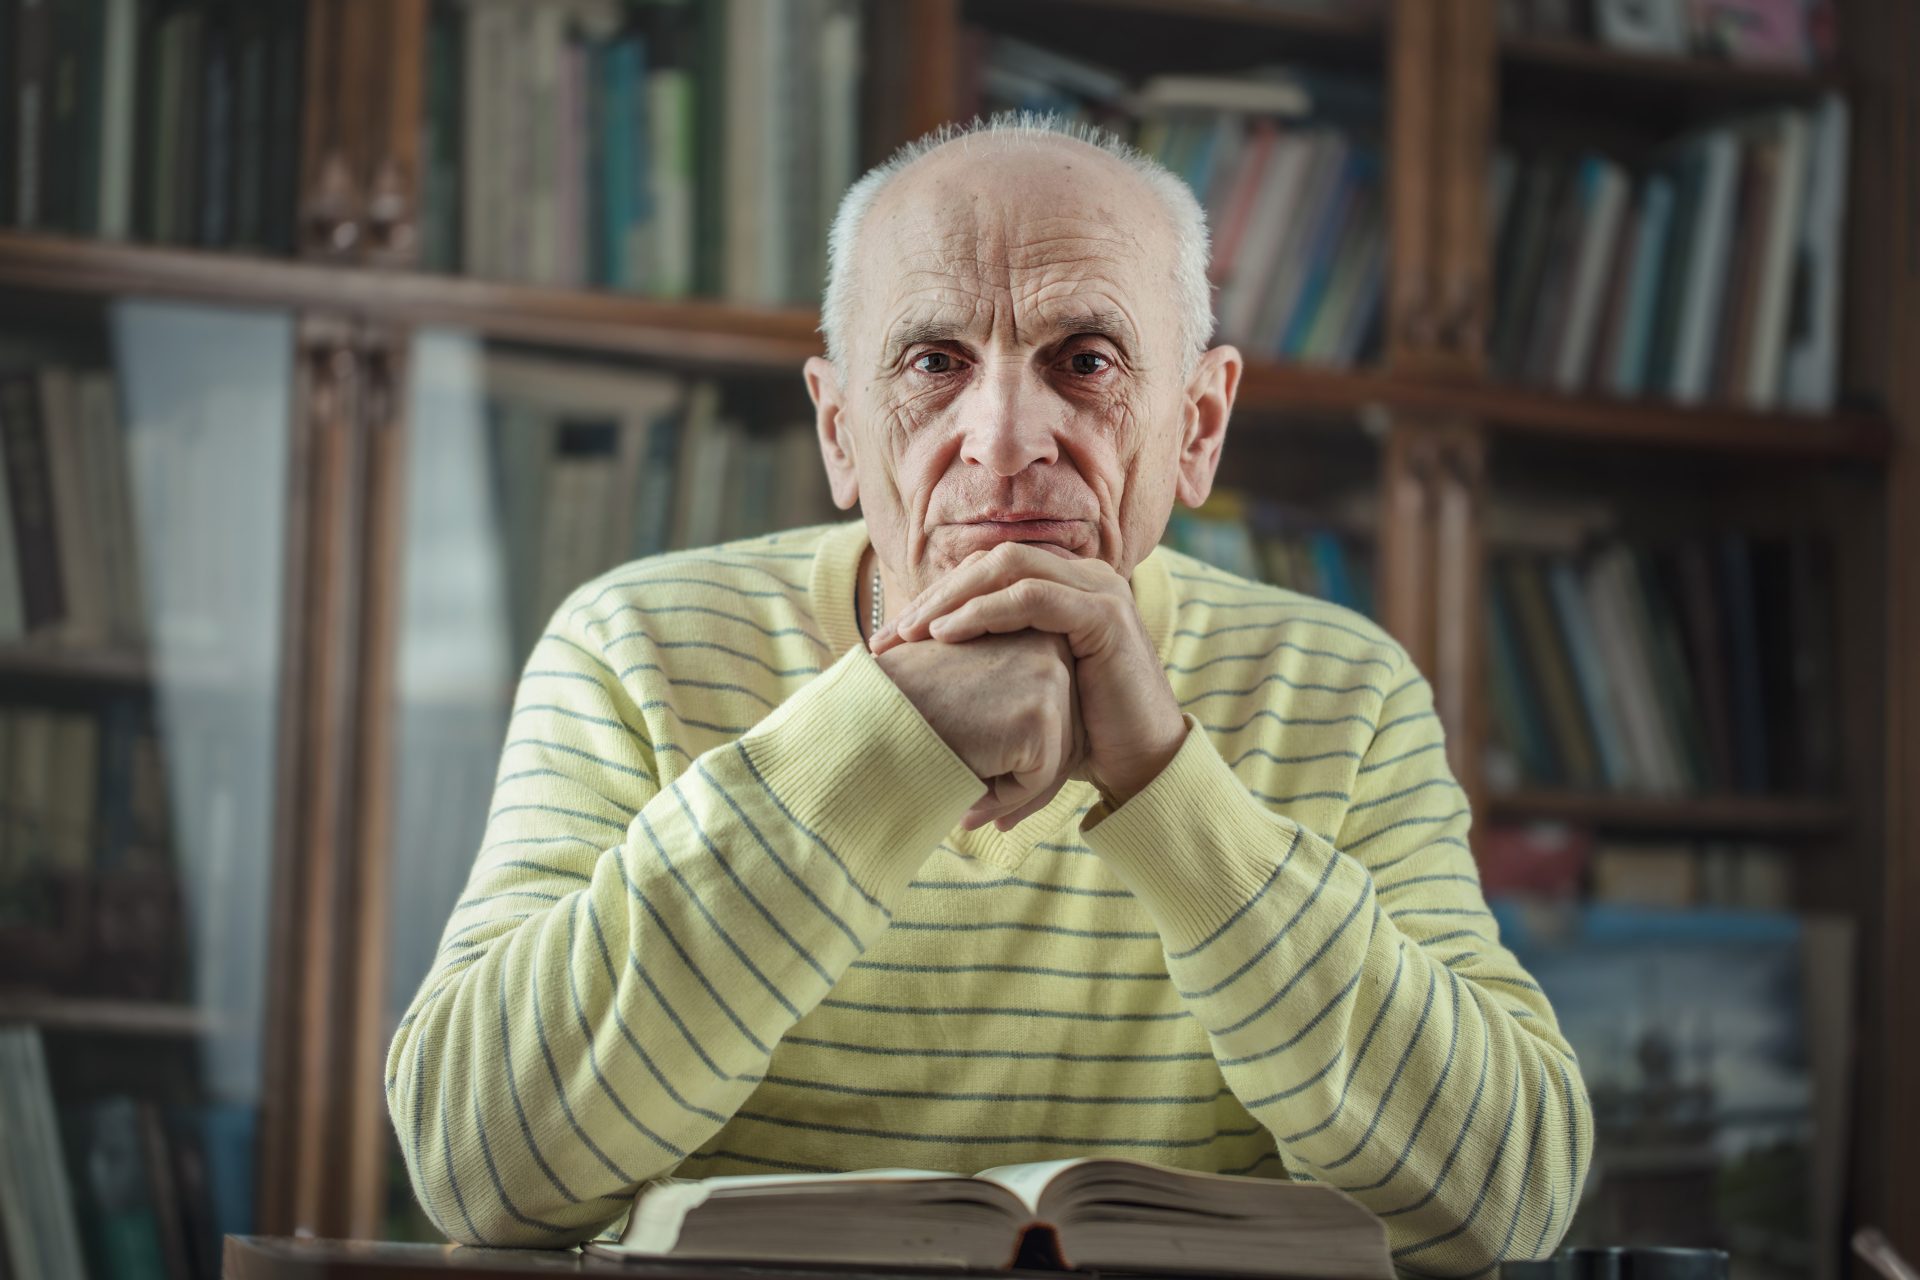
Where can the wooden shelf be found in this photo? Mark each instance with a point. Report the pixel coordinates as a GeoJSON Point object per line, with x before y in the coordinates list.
{"type": "Point", "coordinates": [1133, 33]}
{"type": "Point", "coordinates": [1782, 817]}
{"type": "Point", "coordinates": [118, 1017]}
{"type": "Point", "coordinates": [714, 334]}
{"type": "Point", "coordinates": [1666, 75]}
{"type": "Point", "coordinates": [93, 666]}
{"type": "Point", "coordinates": [1268, 389]}
{"type": "Point", "coordinates": [721, 335]}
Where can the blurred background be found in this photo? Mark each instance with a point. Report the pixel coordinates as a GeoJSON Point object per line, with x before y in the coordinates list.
{"type": "Point", "coordinates": [339, 339]}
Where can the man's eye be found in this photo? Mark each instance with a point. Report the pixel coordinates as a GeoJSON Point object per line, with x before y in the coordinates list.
{"type": "Point", "coordinates": [1078, 359]}
{"type": "Point", "coordinates": [934, 355]}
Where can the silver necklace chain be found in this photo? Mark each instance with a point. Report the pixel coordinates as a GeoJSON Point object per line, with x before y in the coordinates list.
{"type": "Point", "coordinates": [873, 623]}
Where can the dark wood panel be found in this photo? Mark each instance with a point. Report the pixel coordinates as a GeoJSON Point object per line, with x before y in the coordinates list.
{"type": "Point", "coordinates": [1777, 817]}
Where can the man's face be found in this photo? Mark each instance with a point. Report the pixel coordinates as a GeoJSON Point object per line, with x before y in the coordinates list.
{"type": "Point", "coordinates": [1014, 371]}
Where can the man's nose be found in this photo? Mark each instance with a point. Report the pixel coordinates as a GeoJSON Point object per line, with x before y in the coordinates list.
{"type": "Point", "coordinates": [1009, 421]}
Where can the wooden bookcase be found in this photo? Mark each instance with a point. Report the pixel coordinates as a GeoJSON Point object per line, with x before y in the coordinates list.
{"type": "Point", "coordinates": [1441, 422]}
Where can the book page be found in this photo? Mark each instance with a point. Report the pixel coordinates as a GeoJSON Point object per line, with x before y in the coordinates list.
{"type": "Point", "coordinates": [1028, 1181]}
{"type": "Point", "coordinates": [662, 1207]}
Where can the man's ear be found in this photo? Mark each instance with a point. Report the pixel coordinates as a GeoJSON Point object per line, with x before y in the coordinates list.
{"type": "Point", "coordinates": [836, 441]}
{"type": "Point", "coordinates": [1209, 401]}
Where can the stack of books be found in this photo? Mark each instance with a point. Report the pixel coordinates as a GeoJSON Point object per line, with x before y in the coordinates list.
{"type": "Point", "coordinates": [663, 148]}
{"type": "Point", "coordinates": [70, 571]}
{"type": "Point", "coordinates": [1702, 666]}
{"type": "Point", "coordinates": [176, 124]}
{"type": "Point", "coordinates": [1712, 275]}
{"type": "Point", "coordinates": [1285, 162]}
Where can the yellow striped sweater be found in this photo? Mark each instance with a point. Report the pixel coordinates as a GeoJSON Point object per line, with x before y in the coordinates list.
{"type": "Point", "coordinates": [723, 921]}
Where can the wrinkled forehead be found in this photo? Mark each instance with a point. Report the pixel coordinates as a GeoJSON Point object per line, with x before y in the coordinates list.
{"type": "Point", "coordinates": [1014, 243]}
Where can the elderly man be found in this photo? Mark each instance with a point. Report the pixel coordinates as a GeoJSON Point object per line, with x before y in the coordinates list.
{"type": "Point", "coordinates": [983, 831]}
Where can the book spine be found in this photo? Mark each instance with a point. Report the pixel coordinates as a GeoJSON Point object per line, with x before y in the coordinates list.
{"type": "Point", "coordinates": [32, 38]}
{"type": "Point", "coordinates": [1813, 357]}
{"type": "Point", "coordinates": [1761, 389]}
{"type": "Point", "coordinates": [1597, 250]}
{"type": "Point", "coordinates": [120, 84]}
{"type": "Point", "coordinates": [30, 490]}
{"type": "Point", "coordinates": [1710, 247]}
{"type": "Point", "coordinates": [1628, 375]}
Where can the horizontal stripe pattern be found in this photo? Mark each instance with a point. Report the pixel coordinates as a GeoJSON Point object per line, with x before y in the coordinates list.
{"type": "Point", "coordinates": [674, 955]}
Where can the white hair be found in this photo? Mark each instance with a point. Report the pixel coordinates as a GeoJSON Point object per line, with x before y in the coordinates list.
{"type": "Point", "coordinates": [1189, 221]}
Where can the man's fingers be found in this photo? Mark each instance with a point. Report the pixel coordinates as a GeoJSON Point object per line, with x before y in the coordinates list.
{"type": "Point", "coordinates": [1030, 605]}
{"type": "Point", "coordinates": [1008, 821]}
{"type": "Point", "coordinates": [985, 572]}
{"type": "Point", "coordinates": [1005, 794]}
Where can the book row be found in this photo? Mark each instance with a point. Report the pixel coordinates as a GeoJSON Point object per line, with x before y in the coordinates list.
{"type": "Point", "coordinates": [1285, 164]}
{"type": "Point", "coordinates": [115, 1186]}
{"type": "Point", "coordinates": [594, 467]}
{"type": "Point", "coordinates": [1564, 862]}
{"type": "Point", "coordinates": [665, 149]}
{"type": "Point", "coordinates": [1711, 274]}
{"type": "Point", "coordinates": [70, 567]}
{"type": "Point", "coordinates": [89, 896]}
{"type": "Point", "coordinates": [170, 123]}
{"type": "Point", "coordinates": [1270, 541]}
{"type": "Point", "coordinates": [1702, 666]}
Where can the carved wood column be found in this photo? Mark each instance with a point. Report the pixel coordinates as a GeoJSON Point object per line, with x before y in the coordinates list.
{"type": "Point", "coordinates": [1432, 556]}
{"type": "Point", "coordinates": [1442, 67]}
{"type": "Point", "coordinates": [322, 1149]}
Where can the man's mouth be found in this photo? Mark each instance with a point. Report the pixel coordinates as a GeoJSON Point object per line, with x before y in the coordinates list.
{"type": "Point", "coordinates": [1037, 528]}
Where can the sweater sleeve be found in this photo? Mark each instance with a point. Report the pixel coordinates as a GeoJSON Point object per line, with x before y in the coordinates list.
{"type": "Point", "coordinates": [625, 954]}
{"type": "Point", "coordinates": [1358, 999]}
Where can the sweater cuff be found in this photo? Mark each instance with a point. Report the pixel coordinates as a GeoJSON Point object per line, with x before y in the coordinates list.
{"type": "Point", "coordinates": [861, 769]}
{"type": "Point", "coordinates": [1194, 846]}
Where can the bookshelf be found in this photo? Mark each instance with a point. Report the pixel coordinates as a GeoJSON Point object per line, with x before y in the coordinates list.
{"type": "Point", "coordinates": [384, 348]}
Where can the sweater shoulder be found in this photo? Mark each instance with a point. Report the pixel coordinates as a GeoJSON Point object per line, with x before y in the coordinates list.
{"type": "Point", "coordinates": [746, 604]}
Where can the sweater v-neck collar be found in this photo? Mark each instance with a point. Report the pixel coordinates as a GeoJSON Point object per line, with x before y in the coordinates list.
{"type": "Point", "coordinates": [832, 584]}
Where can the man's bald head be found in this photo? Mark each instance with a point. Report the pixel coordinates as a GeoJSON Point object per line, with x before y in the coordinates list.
{"type": "Point", "coordinates": [1018, 166]}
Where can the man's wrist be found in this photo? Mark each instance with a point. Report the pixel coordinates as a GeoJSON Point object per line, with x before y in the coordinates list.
{"type": "Point", "coordinates": [1137, 776]}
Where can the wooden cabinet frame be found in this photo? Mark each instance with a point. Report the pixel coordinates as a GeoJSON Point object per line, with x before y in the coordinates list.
{"type": "Point", "coordinates": [324, 1127]}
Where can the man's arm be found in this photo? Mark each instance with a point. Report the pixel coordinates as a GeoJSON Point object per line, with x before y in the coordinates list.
{"type": "Point", "coordinates": [626, 954]}
{"type": "Point", "coordinates": [1358, 1000]}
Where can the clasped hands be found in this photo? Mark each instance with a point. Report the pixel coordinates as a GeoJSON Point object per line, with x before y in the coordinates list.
{"type": "Point", "coordinates": [1034, 667]}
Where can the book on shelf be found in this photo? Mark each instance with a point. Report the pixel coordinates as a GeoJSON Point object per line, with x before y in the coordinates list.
{"type": "Point", "coordinates": [42, 1234]}
{"type": "Point", "coordinates": [663, 148]}
{"type": "Point", "coordinates": [71, 572]}
{"type": "Point", "coordinates": [1285, 162]}
{"type": "Point", "coordinates": [1089, 1214]}
{"type": "Point", "coordinates": [176, 124]}
{"type": "Point", "coordinates": [1710, 274]}
{"type": "Point", "coordinates": [1692, 666]}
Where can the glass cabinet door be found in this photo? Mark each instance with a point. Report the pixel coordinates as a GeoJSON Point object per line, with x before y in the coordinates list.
{"type": "Point", "coordinates": [143, 516]}
{"type": "Point", "coordinates": [529, 473]}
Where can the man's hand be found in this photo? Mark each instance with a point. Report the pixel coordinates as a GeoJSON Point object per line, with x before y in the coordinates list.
{"type": "Point", "coordinates": [1005, 705]}
{"type": "Point", "coordinates": [1132, 719]}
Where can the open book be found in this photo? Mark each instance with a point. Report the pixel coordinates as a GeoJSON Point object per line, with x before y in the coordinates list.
{"type": "Point", "coordinates": [1120, 1215]}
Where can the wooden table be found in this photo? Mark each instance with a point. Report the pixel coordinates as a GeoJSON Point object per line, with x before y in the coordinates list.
{"type": "Point", "coordinates": [280, 1258]}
